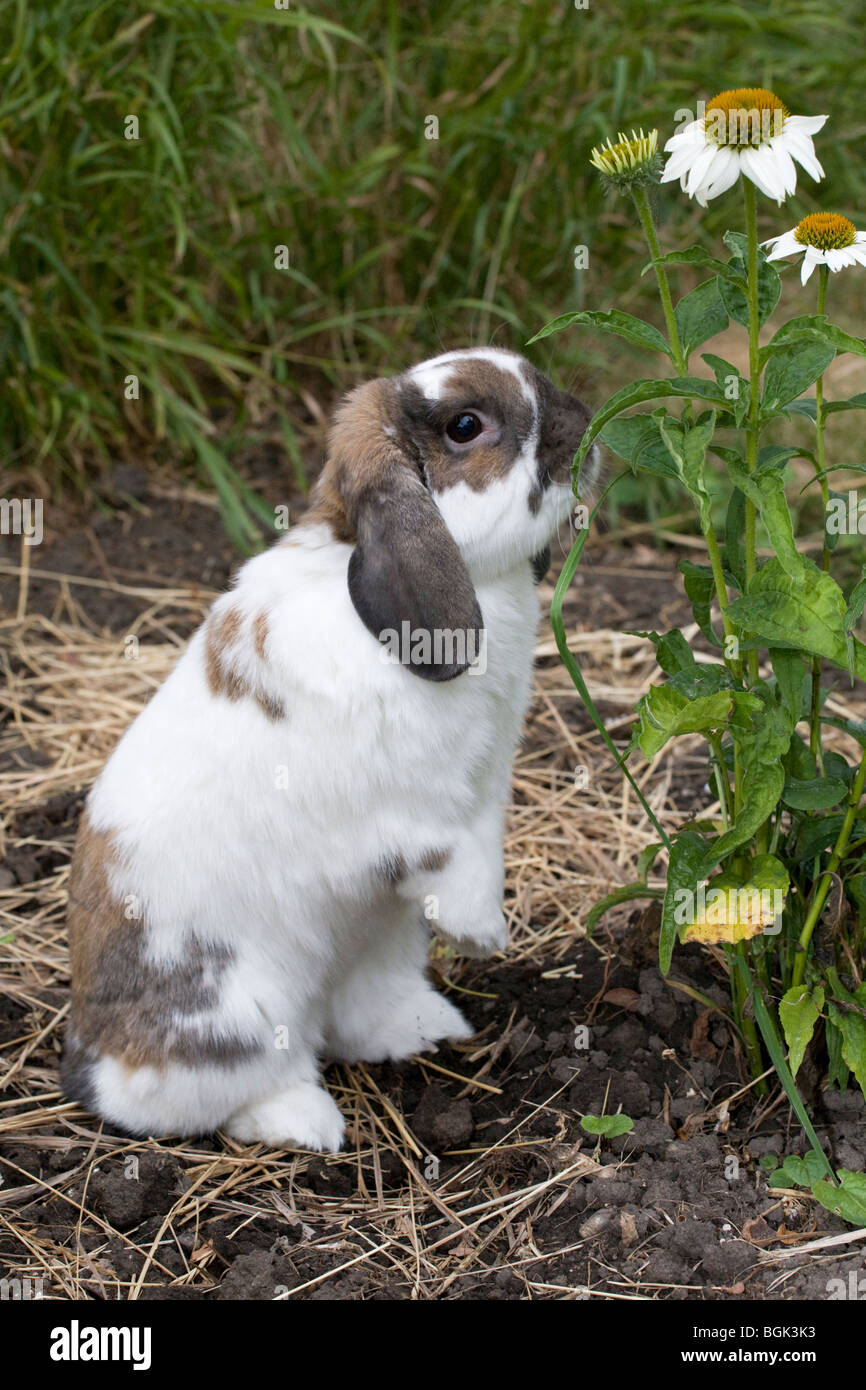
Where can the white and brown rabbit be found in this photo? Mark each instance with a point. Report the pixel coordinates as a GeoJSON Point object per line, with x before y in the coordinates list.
{"type": "Point", "coordinates": [322, 779]}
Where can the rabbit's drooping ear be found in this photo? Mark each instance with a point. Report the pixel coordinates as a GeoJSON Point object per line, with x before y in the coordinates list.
{"type": "Point", "coordinates": [407, 578]}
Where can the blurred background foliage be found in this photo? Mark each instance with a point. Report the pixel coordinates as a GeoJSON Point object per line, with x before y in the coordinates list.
{"type": "Point", "coordinates": [261, 127]}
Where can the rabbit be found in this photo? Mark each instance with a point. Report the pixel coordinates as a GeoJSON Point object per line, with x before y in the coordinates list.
{"type": "Point", "coordinates": [322, 779]}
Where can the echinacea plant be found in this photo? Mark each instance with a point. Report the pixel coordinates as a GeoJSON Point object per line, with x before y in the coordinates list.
{"type": "Point", "coordinates": [775, 872]}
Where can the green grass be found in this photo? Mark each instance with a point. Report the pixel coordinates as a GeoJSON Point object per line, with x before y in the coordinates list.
{"type": "Point", "coordinates": [155, 258]}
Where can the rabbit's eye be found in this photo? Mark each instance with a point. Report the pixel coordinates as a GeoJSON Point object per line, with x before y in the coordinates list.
{"type": "Point", "coordinates": [463, 427]}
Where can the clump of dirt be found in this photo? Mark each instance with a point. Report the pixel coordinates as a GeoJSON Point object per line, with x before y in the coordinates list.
{"type": "Point", "coordinates": [128, 1191]}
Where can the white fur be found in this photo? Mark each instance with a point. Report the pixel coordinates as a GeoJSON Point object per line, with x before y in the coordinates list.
{"type": "Point", "coordinates": [269, 836]}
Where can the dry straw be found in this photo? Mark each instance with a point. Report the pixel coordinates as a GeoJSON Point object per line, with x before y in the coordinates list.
{"type": "Point", "coordinates": [69, 692]}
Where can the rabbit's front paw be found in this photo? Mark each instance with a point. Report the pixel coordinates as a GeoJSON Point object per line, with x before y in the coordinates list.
{"type": "Point", "coordinates": [477, 937]}
{"type": "Point", "coordinates": [416, 1024]}
{"type": "Point", "coordinates": [299, 1117]}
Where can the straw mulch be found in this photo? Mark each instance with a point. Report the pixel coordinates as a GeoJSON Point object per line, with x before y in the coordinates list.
{"type": "Point", "coordinates": [70, 691]}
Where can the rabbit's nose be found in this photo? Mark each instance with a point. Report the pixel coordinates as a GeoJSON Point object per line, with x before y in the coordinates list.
{"type": "Point", "coordinates": [563, 420]}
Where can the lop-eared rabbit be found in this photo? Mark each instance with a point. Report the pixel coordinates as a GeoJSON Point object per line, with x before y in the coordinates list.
{"type": "Point", "coordinates": [323, 777]}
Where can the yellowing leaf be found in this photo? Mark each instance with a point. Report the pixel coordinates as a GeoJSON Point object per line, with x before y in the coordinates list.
{"type": "Point", "coordinates": [733, 912]}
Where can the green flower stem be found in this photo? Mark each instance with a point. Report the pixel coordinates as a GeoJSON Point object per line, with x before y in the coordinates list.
{"type": "Point", "coordinates": [557, 622]}
{"type": "Point", "coordinates": [752, 428]}
{"type": "Point", "coordinates": [681, 366]}
{"type": "Point", "coordinates": [777, 1057]}
{"type": "Point", "coordinates": [719, 578]}
{"type": "Point", "coordinates": [822, 888]}
{"type": "Point", "coordinates": [646, 220]}
{"type": "Point", "coordinates": [745, 1023]}
{"type": "Point", "coordinates": [820, 422]}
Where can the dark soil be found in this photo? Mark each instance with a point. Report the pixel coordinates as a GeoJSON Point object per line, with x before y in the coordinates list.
{"type": "Point", "coordinates": [679, 1209]}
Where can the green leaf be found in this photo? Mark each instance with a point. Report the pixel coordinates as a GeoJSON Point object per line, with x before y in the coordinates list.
{"type": "Point", "coordinates": [767, 491]}
{"type": "Point", "coordinates": [847, 1200]}
{"type": "Point", "coordinates": [691, 387]}
{"type": "Point", "coordinates": [665, 713]}
{"type": "Point", "coordinates": [687, 854]}
{"type": "Point", "coordinates": [855, 727]}
{"type": "Point", "coordinates": [816, 835]}
{"type": "Point", "coordinates": [856, 603]}
{"type": "Point", "coordinates": [813, 327]}
{"type": "Point", "coordinates": [853, 613]}
{"type": "Point", "coordinates": [687, 446]}
{"type": "Point", "coordinates": [807, 407]}
{"type": "Point", "coordinates": [696, 255]}
{"type": "Point", "coordinates": [761, 751]}
{"type": "Point", "coordinates": [799, 1172]}
{"type": "Point", "coordinates": [700, 589]}
{"type": "Point", "coordinates": [799, 761]}
{"type": "Point", "coordinates": [817, 794]}
{"type": "Point", "coordinates": [673, 652]}
{"type": "Point", "coordinates": [637, 439]}
{"type": "Point", "coordinates": [645, 860]}
{"type": "Point", "coordinates": [848, 1015]}
{"type": "Point", "coordinates": [629, 892]}
{"type": "Point", "coordinates": [855, 888]}
{"type": "Point", "coordinates": [608, 1126]}
{"type": "Point", "coordinates": [769, 284]}
{"type": "Point", "coordinates": [735, 525]}
{"type": "Point", "coordinates": [799, 1011]}
{"type": "Point", "coordinates": [751, 987]}
{"type": "Point", "coordinates": [625, 326]}
{"type": "Point", "coordinates": [734, 387]}
{"type": "Point", "coordinates": [790, 674]}
{"type": "Point", "coordinates": [767, 872]}
{"type": "Point", "coordinates": [790, 371]}
{"type": "Point", "coordinates": [835, 468]}
{"type": "Point", "coordinates": [837, 1071]}
{"type": "Point", "coordinates": [776, 456]}
{"type": "Point", "coordinates": [805, 612]}
{"type": "Point", "coordinates": [838, 767]}
{"type": "Point", "coordinates": [700, 315]}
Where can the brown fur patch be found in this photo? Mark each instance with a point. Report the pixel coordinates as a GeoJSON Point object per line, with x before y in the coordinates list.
{"type": "Point", "coordinates": [123, 1005]}
{"type": "Point", "coordinates": [362, 435]}
{"type": "Point", "coordinates": [474, 385]}
{"type": "Point", "coordinates": [395, 868]}
{"type": "Point", "coordinates": [329, 509]}
{"type": "Point", "coordinates": [260, 634]}
{"type": "Point", "coordinates": [432, 860]}
{"type": "Point", "coordinates": [220, 634]}
{"type": "Point", "coordinates": [222, 677]}
{"type": "Point", "coordinates": [93, 911]}
{"type": "Point", "coordinates": [271, 706]}
{"type": "Point", "coordinates": [362, 451]}
{"type": "Point", "coordinates": [499, 392]}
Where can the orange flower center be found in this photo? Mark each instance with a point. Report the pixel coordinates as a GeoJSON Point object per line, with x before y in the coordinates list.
{"type": "Point", "coordinates": [825, 230]}
{"type": "Point", "coordinates": [744, 116]}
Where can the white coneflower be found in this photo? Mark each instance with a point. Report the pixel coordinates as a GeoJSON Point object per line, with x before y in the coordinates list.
{"type": "Point", "coordinates": [747, 130]}
{"type": "Point", "coordinates": [631, 160]}
{"type": "Point", "coordinates": [827, 239]}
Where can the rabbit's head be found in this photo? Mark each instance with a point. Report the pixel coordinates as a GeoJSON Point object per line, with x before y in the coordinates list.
{"type": "Point", "coordinates": [444, 478]}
